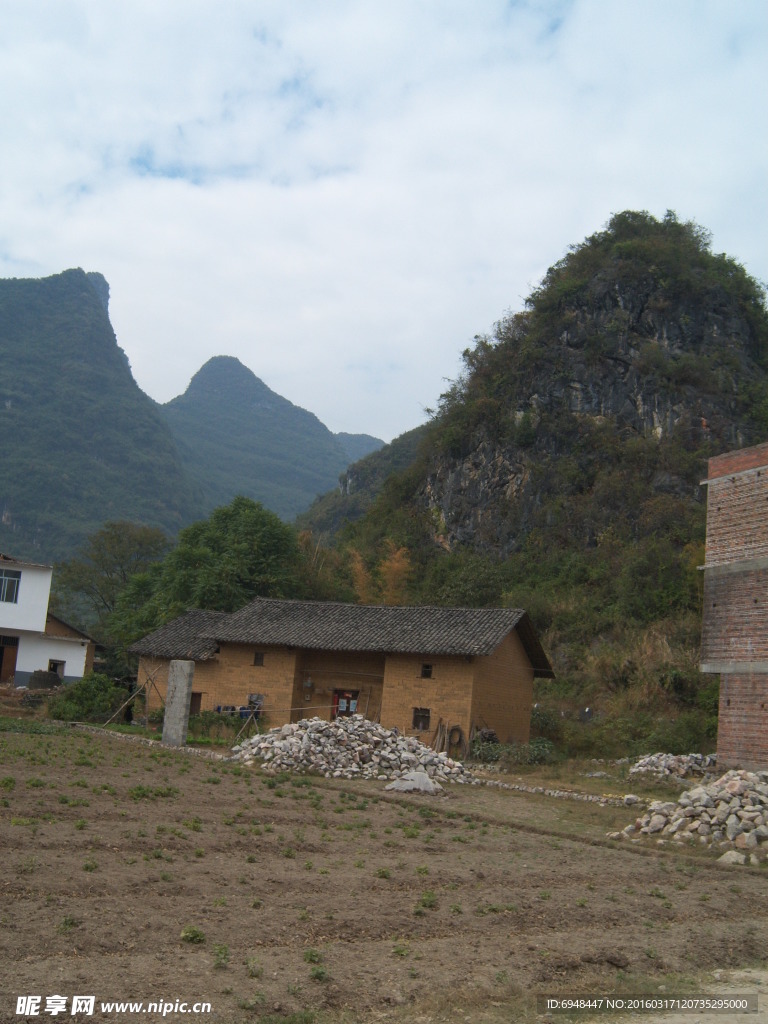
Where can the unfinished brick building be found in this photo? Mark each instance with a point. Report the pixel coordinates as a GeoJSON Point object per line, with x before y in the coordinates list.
{"type": "Point", "coordinates": [735, 613]}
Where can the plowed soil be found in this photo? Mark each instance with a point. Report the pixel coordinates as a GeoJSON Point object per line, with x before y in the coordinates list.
{"type": "Point", "coordinates": [316, 900]}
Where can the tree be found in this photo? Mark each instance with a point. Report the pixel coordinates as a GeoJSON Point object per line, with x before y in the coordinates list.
{"type": "Point", "coordinates": [388, 583]}
{"type": "Point", "coordinates": [89, 586]}
{"type": "Point", "coordinates": [394, 572]}
{"type": "Point", "coordinates": [240, 552]}
{"type": "Point", "coordinates": [361, 578]}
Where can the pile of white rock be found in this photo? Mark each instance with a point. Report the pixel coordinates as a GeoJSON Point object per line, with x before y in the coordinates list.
{"type": "Point", "coordinates": [347, 748]}
{"type": "Point", "coordinates": [674, 764]}
{"type": "Point", "coordinates": [730, 813]}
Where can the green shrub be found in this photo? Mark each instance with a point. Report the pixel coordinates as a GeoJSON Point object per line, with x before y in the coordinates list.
{"type": "Point", "coordinates": [94, 698]}
{"type": "Point", "coordinates": [538, 751]}
{"type": "Point", "coordinates": [485, 751]}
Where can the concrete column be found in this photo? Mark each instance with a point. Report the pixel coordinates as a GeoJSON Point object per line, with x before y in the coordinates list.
{"type": "Point", "coordinates": [179, 694]}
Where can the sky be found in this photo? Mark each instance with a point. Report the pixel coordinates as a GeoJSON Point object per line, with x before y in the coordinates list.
{"type": "Point", "coordinates": [343, 194]}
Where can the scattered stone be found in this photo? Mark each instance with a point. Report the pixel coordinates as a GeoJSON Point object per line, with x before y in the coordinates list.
{"type": "Point", "coordinates": [415, 782]}
{"type": "Point", "coordinates": [731, 857]}
{"type": "Point", "coordinates": [729, 813]}
{"type": "Point", "coordinates": [349, 748]}
{"type": "Point", "coordinates": [680, 765]}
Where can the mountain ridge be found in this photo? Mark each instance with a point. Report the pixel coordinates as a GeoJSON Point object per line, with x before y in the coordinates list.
{"type": "Point", "coordinates": [237, 436]}
{"type": "Point", "coordinates": [83, 444]}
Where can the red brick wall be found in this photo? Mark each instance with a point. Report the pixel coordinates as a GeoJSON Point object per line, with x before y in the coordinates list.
{"type": "Point", "coordinates": [737, 462]}
{"type": "Point", "coordinates": [742, 737]}
{"type": "Point", "coordinates": [737, 517]}
{"type": "Point", "coordinates": [735, 606]}
{"type": "Point", "coordinates": [735, 617]}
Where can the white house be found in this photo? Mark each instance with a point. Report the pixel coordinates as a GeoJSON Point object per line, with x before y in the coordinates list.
{"type": "Point", "coordinates": [30, 637]}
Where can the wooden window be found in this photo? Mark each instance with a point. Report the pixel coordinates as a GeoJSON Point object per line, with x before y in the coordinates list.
{"type": "Point", "coordinates": [421, 719]}
{"type": "Point", "coordinates": [426, 671]}
{"type": "Point", "coordinates": [258, 658]}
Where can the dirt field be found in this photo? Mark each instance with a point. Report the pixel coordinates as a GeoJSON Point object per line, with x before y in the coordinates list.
{"type": "Point", "coordinates": [317, 901]}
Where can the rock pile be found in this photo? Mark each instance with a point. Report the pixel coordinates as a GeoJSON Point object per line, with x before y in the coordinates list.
{"type": "Point", "coordinates": [731, 813]}
{"type": "Point", "coordinates": [674, 764]}
{"type": "Point", "coordinates": [348, 748]}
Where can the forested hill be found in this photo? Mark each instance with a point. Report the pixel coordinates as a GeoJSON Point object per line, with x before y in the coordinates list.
{"type": "Point", "coordinates": [81, 444]}
{"type": "Point", "coordinates": [236, 436]}
{"type": "Point", "coordinates": [591, 414]}
{"type": "Point", "coordinates": [562, 471]}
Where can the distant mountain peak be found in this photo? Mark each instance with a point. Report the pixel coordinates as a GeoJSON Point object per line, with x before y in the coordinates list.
{"type": "Point", "coordinates": [100, 285]}
{"type": "Point", "coordinates": [223, 375]}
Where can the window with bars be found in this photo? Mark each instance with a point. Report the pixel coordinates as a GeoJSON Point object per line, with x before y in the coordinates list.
{"type": "Point", "coordinates": [9, 585]}
{"type": "Point", "coordinates": [421, 718]}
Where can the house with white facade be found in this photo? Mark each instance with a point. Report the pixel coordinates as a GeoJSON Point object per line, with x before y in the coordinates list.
{"type": "Point", "coordinates": [31, 638]}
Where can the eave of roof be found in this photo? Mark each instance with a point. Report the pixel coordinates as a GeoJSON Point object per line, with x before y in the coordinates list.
{"type": "Point", "coordinates": [23, 561]}
{"type": "Point", "coordinates": [184, 637]}
{"type": "Point", "coordinates": [324, 625]}
{"type": "Point", "coordinates": [331, 626]}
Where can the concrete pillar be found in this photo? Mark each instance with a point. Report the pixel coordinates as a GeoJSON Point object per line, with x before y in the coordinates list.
{"type": "Point", "coordinates": [179, 694]}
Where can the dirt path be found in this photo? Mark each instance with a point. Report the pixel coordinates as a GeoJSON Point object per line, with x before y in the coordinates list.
{"type": "Point", "coordinates": [752, 982]}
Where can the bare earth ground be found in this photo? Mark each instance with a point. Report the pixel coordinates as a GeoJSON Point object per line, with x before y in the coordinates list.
{"type": "Point", "coordinates": [325, 901]}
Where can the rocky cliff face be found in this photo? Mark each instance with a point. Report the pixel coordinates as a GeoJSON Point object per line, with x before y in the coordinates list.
{"type": "Point", "coordinates": [614, 362]}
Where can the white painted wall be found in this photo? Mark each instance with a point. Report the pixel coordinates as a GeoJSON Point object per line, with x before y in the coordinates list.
{"type": "Point", "coordinates": [30, 610]}
{"type": "Point", "coordinates": [36, 651]}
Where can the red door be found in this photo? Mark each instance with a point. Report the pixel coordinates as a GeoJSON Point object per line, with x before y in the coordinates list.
{"type": "Point", "coordinates": [344, 703]}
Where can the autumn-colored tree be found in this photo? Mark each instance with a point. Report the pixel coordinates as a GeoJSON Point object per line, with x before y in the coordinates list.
{"type": "Point", "coordinates": [394, 574]}
{"type": "Point", "coordinates": [361, 578]}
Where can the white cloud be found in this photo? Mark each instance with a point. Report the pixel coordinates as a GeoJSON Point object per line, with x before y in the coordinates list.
{"type": "Point", "coordinates": [343, 194]}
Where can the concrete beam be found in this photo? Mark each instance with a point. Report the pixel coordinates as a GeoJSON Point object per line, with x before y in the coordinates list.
{"type": "Point", "coordinates": [176, 721]}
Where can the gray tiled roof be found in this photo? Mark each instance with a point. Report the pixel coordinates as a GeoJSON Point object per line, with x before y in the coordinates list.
{"type": "Point", "coordinates": [324, 625]}
{"type": "Point", "coordinates": [22, 561]}
{"type": "Point", "coordinates": [185, 637]}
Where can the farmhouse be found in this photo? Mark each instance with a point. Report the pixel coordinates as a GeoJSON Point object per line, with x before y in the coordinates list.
{"type": "Point", "coordinates": [735, 613]}
{"type": "Point", "coordinates": [31, 638]}
{"type": "Point", "coordinates": [414, 668]}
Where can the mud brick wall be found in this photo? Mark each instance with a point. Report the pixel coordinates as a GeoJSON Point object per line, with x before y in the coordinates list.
{"type": "Point", "coordinates": [339, 670]}
{"type": "Point", "coordinates": [157, 669]}
{"type": "Point", "coordinates": [503, 692]}
{"type": "Point", "coordinates": [231, 676]}
{"type": "Point", "coordinates": [742, 737]}
{"type": "Point", "coordinates": [275, 678]}
{"type": "Point", "coordinates": [447, 694]}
